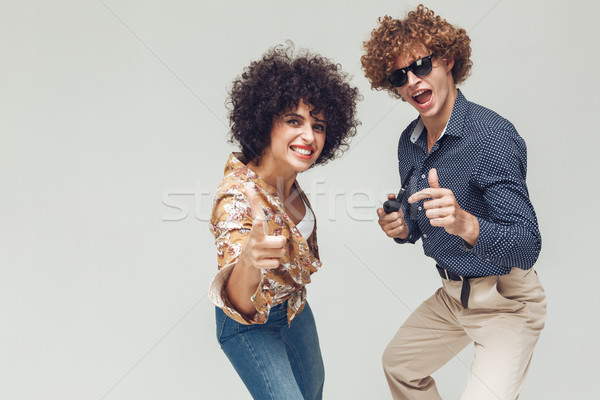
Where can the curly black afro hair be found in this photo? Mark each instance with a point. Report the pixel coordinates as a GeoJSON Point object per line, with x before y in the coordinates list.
{"type": "Point", "coordinates": [276, 83]}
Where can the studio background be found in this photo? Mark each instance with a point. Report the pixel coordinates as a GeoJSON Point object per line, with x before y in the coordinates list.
{"type": "Point", "coordinates": [113, 140]}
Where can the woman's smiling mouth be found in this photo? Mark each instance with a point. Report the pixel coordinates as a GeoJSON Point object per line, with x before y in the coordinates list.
{"type": "Point", "coordinates": [301, 151]}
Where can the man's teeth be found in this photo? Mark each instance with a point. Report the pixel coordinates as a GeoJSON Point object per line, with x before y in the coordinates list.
{"type": "Point", "coordinates": [302, 151]}
{"type": "Point", "coordinates": [418, 93]}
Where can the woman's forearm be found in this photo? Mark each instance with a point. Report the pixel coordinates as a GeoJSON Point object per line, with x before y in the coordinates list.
{"type": "Point", "coordinates": [242, 284]}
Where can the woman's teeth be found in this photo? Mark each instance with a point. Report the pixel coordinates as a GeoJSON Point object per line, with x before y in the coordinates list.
{"type": "Point", "coordinates": [302, 151]}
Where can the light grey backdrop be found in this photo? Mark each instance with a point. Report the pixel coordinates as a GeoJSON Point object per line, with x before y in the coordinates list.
{"type": "Point", "coordinates": [112, 140]}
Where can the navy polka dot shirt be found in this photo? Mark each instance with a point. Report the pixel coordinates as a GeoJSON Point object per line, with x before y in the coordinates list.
{"type": "Point", "coordinates": [483, 160]}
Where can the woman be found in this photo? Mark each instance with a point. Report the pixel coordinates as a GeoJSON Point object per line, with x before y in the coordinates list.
{"type": "Point", "coordinates": [288, 112]}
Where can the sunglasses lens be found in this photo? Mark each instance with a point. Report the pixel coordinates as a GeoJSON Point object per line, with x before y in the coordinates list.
{"type": "Point", "coordinates": [422, 67]}
{"type": "Point", "coordinates": [398, 78]}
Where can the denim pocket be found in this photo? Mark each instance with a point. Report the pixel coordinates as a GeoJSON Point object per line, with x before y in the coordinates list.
{"type": "Point", "coordinates": [225, 326]}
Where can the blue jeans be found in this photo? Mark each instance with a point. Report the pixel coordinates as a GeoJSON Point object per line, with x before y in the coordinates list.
{"type": "Point", "coordinates": [276, 362]}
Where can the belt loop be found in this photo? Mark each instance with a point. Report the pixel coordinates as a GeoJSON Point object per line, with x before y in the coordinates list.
{"type": "Point", "coordinates": [465, 292]}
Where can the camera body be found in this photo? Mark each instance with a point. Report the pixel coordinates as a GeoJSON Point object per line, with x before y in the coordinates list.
{"type": "Point", "coordinates": [391, 205]}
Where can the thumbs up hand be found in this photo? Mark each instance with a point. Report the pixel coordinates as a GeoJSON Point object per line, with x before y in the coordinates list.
{"type": "Point", "coordinates": [443, 210]}
{"type": "Point", "coordinates": [261, 249]}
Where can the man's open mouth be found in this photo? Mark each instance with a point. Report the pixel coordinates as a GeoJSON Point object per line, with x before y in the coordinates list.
{"type": "Point", "coordinates": [422, 96]}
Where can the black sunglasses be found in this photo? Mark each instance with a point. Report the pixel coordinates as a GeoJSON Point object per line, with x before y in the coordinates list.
{"type": "Point", "coordinates": [421, 67]}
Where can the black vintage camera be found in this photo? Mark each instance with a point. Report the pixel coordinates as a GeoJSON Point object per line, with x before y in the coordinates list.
{"type": "Point", "coordinates": [393, 205]}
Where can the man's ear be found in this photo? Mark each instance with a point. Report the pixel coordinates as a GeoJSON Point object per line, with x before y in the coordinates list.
{"type": "Point", "coordinates": [449, 64]}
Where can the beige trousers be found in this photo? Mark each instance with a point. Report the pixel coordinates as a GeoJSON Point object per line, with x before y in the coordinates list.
{"type": "Point", "coordinates": [504, 319]}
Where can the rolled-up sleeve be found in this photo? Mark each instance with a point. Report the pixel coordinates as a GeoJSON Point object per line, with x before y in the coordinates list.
{"type": "Point", "coordinates": [231, 222]}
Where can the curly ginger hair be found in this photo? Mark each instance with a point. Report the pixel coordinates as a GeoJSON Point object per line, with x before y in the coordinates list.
{"type": "Point", "coordinates": [420, 28]}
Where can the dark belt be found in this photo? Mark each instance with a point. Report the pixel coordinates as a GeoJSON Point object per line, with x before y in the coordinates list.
{"type": "Point", "coordinates": [466, 286]}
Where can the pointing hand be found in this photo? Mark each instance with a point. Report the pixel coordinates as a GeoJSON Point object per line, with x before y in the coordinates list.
{"type": "Point", "coordinates": [261, 249]}
{"type": "Point", "coordinates": [443, 210]}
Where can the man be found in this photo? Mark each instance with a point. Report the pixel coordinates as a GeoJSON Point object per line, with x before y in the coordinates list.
{"type": "Point", "coordinates": [464, 167]}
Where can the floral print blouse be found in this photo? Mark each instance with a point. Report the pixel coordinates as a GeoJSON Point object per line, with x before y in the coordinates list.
{"type": "Point", "coordinates": [230, 223]}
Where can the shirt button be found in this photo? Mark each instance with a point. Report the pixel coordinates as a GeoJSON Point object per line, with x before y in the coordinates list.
{"type": "Point", "coordinates": [424, 236]}
{"type": "Point", "coordinates": [420, 208]}
{"type": "Point", "coordinates": [423, 176]}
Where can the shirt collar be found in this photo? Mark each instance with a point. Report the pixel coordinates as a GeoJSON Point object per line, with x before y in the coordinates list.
{"type": "Point", "coordinates": [236, 164]}
{"type": "Point", "coordinates": [455, 125]}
